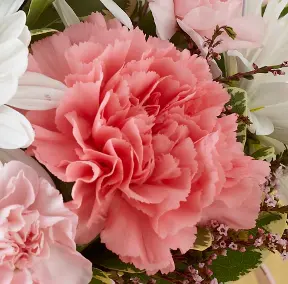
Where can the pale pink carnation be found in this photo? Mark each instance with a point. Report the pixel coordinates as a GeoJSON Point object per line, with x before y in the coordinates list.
{"type": "Point", "coordinates": [36, 232]}
{"type": "Point", "coordinates": [138, 133]}
{"type": "Point", "coordinates": [200, 18]}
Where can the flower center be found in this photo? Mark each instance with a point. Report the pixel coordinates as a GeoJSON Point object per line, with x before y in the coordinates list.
{"type": "Point", "coordinates": [18, 248]}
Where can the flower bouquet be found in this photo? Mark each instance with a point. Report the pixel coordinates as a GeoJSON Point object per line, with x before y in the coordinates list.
{"type": "Point", "coordinates": [142, 141]}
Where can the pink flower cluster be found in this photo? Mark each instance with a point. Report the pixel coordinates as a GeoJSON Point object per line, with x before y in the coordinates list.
{"type": "Point", "coordinates": [36, 232]}
{"type": "Point", "coordinates": [139, 134]}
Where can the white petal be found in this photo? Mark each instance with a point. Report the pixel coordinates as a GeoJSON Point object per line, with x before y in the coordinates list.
{"type": "Point", "coordinates": [66, 13]}
{"type": "Point", "coordinates": [262, 125]}
{"type": "Point", "coordinates": [15, 130]}
{"type": "Point", "coordinates": [268, 94]}
{"type": "Point", "coordinates": [25, 36]}
{"type": "Point", "coordinates": [243, 64]}
{"type": "Point", "coordinates": [7, 7]}
{"type": "Point", "coordinates": [118, 13]}
{"type": "Point", "coordinates": [12, 26]}
{"type": "Point", "coordinates": [8, 87]}
{"type": "Point", "coordinates": [13, 57]}
{"type": "Point", "coordinates": [19, 155]}
{"type": "Point", "coordinates": [252, 7]}
{"type": "Point", "coordinates": [38, 92]}
{"type": "Point", "coordinates": [164, 17]}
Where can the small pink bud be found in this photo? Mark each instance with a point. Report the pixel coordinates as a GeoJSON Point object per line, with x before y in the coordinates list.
{"type": "Point", "coordinates": [242, 249]}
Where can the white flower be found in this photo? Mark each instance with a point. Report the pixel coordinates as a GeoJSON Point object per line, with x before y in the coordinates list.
{"type": "Point", "coordinates": [15, 129]}
{"type": "Point", "coordinates": [66, 13]}
{"type": "Point", "coordinates": [267, 94]}
{"type": "Point", "coordinates": [118, 13]}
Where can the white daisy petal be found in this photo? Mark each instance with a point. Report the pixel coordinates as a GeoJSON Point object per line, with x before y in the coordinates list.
{"type": "Point", "coordinates": [8, 87]}
{"type": "Point", "coordinates": [19, 155]}
{"type": "Point", "coordinates": [15, 130]}
{"type": "Point", "coordinates": [7, 7]}
{"type": "Point", "coordinates": [12, 26]}
{"type": "Point", "coordinates": [66, 13]}
{"type": "Point", "coordinates": [25, 36]}
{"type": "Point", "coordinates": [13, 57]}
{"type": "Point", "coordinates": [166, 24]}
{"type": "Point", "coordinates": [118, 13]}
{"type": "Point", "coordinates": [38, 92]}
{"type": "Point", "coordinates": [261, 125]}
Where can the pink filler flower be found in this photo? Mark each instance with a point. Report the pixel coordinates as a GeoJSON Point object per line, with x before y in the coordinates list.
{"type": "Point", "coordinates": [199, 18]}
{"type": "Point", "coordinates": [138, 133]}
{"type": "Point", "coordinates": [36, 232]}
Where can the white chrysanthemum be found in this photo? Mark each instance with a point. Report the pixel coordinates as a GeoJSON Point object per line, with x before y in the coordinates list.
{"type": "Point", "coordinates": [19, 90]}
{"type": "Point", "coordinates": [268, 94]}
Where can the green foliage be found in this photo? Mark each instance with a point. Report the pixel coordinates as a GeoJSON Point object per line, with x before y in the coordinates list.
{"type": "Point", "coordinates": [267, 218]}
{"type": "Point", "coordinates": [284, 12]}
{"type": "Point", "coordinates": [42, 31]}
{"type": "Point", "coordinates": [100, 277]}
{"type": "Point", "coordinates": [235, 264]}
{"type": "Point", "coordinates": [111, 261]}
{"type": "Point", "coordinates": [238, 102]}
{"type": "Point", "coordinates": [203, 240]}
{"type": "Point", "coordinates": [264, 221]}
{"type": "Point", "coordinates": [37, 7]}
{"type": "Point", "coordinates": [264, 153]}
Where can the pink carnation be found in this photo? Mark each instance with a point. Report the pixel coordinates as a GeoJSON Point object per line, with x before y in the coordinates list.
{"type": "Point", "coordinates": [36, 232]}
{"type": "Point", "coordinates": [200, 18]}
{"type": "Point", "coordinates": [138, 133]}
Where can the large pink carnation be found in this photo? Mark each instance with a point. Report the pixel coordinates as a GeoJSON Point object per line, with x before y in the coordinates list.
{"type": "Point", "coordinates": [36, 232]}
{"type": "Point", "coordinates": [200, 18]}
{"type": "Point", "coordinates": [138, 133]}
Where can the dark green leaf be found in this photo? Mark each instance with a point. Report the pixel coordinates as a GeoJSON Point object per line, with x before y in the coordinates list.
{"type": "Point", "coordinates": [235, 264]}
{"type": "Point", "coordinates": [238, 102]}
{"type": "Point", "coordinates": [100, 277]}
{"type": "Point", "coordinates": [248, 77]}
{"type": "Point", "coordinates": [37, 7]}
{"type": "Point", "coordinates": [264, 220]}
{"type": "Point", "coordinates": [264, 153]}
{"type": "Point", "coordinates": [230, 32]}
{"type": "Point", "coordinates": [111, 261]}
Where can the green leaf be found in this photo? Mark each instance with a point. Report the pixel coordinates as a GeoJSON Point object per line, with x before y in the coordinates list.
{"type": "Point", "coordinates": [248, 77]}
{"type": "Point", "coordinates": [203, 240]}
{"type": "Point", "coordinates": [235, 264]}
{"type": "Point", "coordinates": [100, 277]}
{"type": "Point", "coordinates": [270, 222]}
{"type": "Point", "coordinates": [230, 32]}
{"type": "Point", "coordinates": [267, 218]}
{"type": "Point", "coordinates": [37, 7]}
{"type": "Point", "coordinates": [238, 102]}
{"type": "Point", "coordinates": [264, 153]}
{"type": "Point", "coordinates": [42, 31]}
{"type": "Point", "coordinates": [111, 261]}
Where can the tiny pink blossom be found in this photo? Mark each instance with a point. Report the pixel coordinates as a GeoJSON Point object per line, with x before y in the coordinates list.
{"type": "Point", "coordinates": [223, 230]}
{"type": "Point", "coordinates": [222, 244]}
{"type": "Point", "coordinates": [37, 231]}
{"type": "Point", "coordinates": [233, 246]}
{"type": "Point", "coordinates": [258, 242]}
{"type": "Point", "coordinates": [214, 224]}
